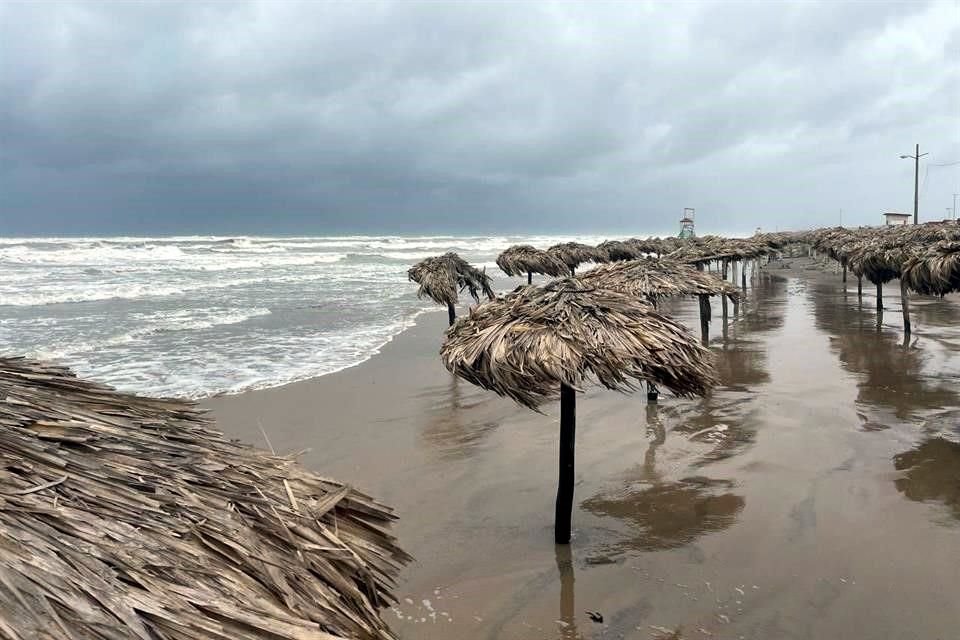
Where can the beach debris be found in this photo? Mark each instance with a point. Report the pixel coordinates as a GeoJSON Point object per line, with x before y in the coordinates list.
{"type": "Point", "coordinates": [540, 342]}
{"type": "Point", "coordinates": [135, 515]}
{"type": "Point", "coordinates": [595, 616]}
{"type": "Point", "coordinates": [663, 633]}
{"type": "Point", "coordinates": [601, 559]}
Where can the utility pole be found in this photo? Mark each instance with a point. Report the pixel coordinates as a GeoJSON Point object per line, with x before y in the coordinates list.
{"type": "Point", "coordinates": [916, 180]}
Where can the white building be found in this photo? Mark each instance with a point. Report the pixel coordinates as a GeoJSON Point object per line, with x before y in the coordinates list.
{"type": "Point", "coordinates": [894, 219]}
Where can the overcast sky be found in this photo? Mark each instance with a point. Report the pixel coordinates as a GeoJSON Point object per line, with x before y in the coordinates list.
{"type": "Point", "coordinates": [397, 117]}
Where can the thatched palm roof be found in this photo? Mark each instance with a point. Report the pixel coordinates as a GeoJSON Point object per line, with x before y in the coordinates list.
{"type": "Point", "coordinates": [526, 344]}
{"type": "Point", "coordinates": [442, 277]}
{"type": "Point", "coordinates": [522, 259]}
{"type": "Point", "coordinates": [656, 278]}
{"type": "Point", "coordinates": [573, 254]}
{"type": "Point", "coordinates": [131, 517]}
{"type": "Point", "coordinates": [613, 250]}
{"type": "Point", "coordinates": [936, 271]}
{"type": "Point", "coordinates": [879, 253]}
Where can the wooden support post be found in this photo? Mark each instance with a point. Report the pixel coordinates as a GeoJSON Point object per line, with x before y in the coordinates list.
{"type": "Point", "coordinates": [905, 305]}
{"type": "Point", "coordinates": [568, 427]}
{"type": "Point", "coordinates": [529, 277]}
{"type": "Point", "coordinates": [844, 273]}
{"type": "Point", "coordinates": [743, 275]}
{"type": "Point", "coordinates": [723, 304]}
{"type": "Point", "coordinates": [653, 394]}
{"type": "Point", "coordinates": [704, 318]}
{"type": "Point", "coordinates": [879, 302]}
{"type": "Point", "coordinates": [860, 287]}
{"type": "Point", "coordinates": [451, 313]}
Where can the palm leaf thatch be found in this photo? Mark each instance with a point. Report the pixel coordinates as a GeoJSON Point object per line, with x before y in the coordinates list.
{"type": "Point", "coordinates": [573, 254]}
{"type": "Point", "coordinates": [528, 343]}
{"type": "Point", "coordinates": [614, 250]}
{"type": "Point", "coordinates": [127, 517]}
{"type": "Point", "coordinates": [654, 278]}
{"type": "Point", "coordinates": [441, 278]}
{"type": "Point", "coordinates": [522, 259]}
{"type": "Point", "coordinates": [936, 271]}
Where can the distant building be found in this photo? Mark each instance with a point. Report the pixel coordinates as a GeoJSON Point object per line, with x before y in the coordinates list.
{"type": "Point", "coordinates": [686, 224]}
{"type": "Point", "coordinates": [894, 219]}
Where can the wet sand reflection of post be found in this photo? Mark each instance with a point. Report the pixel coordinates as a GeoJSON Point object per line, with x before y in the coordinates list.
{"type": "Point", "coordinates": [568, 609]}
{"type": "Point", "coordinates": [892, 374]}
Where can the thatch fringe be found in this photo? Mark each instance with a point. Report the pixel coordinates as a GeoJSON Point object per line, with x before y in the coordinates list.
{"type": "Point", "coordinates": [528, 343]}
{"type": "Point", "coordinates": [657, 278]}
{"type": "Point", "coordinates": [522, 259]}
{"type": "Point", "coordinates": [936, 271]}
{"type": "Point", "coordinates": [129, 517]}
{"type": "Point", "coordinates": [573, 254]}
{"type": "Point", "coordinates": [442, 277]}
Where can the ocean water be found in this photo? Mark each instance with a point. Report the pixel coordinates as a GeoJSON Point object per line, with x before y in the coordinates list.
{"type": "Point", "coordinates": [199, 316]}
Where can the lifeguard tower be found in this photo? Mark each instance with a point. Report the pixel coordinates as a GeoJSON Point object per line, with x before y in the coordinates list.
{"type": "Point", "coordinates": [686, 223]}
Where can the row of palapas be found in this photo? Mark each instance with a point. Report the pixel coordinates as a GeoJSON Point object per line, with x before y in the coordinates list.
{"type": "Point", "coordinates": [925, 258]}
{"type": "Point", "coordinates": [601, 327]}
{"type": "Point", "coordinates": [653, 268]}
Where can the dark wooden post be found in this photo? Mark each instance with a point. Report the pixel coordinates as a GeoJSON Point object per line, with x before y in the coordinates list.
{"type": "Point", "coordinates": [704, 318]}
{"type": "Point", "coordinates": [844, 272]}
{"type": "Point", "coordinates": [743, 275]}
{"type": "Point", "coordinates": [860, 287]}
{"type": "Point", "coordinates": [529, 277]}
{"type": "Point", "coordinates": [568, 427]}
{"type": "Point", "coordinates": [905, 304]}
{"type": "Point", "coordinates": [723, 304]}
{"type": "Point", "coordinates": [451, 313]}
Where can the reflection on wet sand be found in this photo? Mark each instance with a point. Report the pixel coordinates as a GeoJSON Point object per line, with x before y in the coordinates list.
{"type": "Point", "coordinates": [931, 472]}
{"type": "Point", "coordinates": [892, 375]}
{"type": "Point", "coordinates": [568, 609]}
{"type": "Point", "coordinates": [451, 430]}
{"type": "Point", "coordinates": [664, 514]}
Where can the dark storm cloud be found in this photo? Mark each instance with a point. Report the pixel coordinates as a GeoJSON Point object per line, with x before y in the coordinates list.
{"type": "Point", "coordinates": [312, 117]}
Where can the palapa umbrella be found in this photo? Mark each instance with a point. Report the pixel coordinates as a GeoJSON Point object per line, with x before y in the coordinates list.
{"type": "Point", "coordinates": [936, 271]}
{"type": "Point", "coordinates": [654, 278]}
{"type": "Point", "coordinates": [573, 254]}
{"type": "Point", "coordinates": [523, 259]}
{"type": "Point", "coordinates": [442, 277]}
{"type": "Point", "coordinates": [540, 342]}
{"type": "Point", "coordinates": [125, 517]}
{"type": "Point", "coordinates": [614, 250]}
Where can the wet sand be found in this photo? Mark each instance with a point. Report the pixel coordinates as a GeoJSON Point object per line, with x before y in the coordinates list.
{"type": "Point", "coordinates": [815, 494]}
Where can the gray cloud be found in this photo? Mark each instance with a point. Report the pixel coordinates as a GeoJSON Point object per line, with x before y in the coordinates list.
{"type": "Point", "coordinates": [211, 117]}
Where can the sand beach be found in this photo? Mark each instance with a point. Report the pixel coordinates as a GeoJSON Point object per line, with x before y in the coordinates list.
{"type": "Point", "coordinates": [814, 494]}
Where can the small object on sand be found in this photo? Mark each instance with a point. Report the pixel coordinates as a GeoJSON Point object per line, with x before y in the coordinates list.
{"type": "Point", "coordinates": [600, 559]}
{"type": "Point", "coordinates": [596, 616]}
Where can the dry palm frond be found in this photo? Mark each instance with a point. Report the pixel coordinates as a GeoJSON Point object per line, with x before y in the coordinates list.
{"type": "Point", "coordinates": [573, 254]}
{"type": "Point", "coordinates": [442, 277]}
{"type": "Point", "coordinates": [936, 271]}
{"type": "Point", "coordinates": [656, 278]}
{"type": "Point", "coordinates": [526, 344]}
{"type": "Point", "coordinates": [132, 517]}
{"type": "Point", "coordinates": [522, 259]}
{"type": "Point", "coordinates": [614, 250]}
